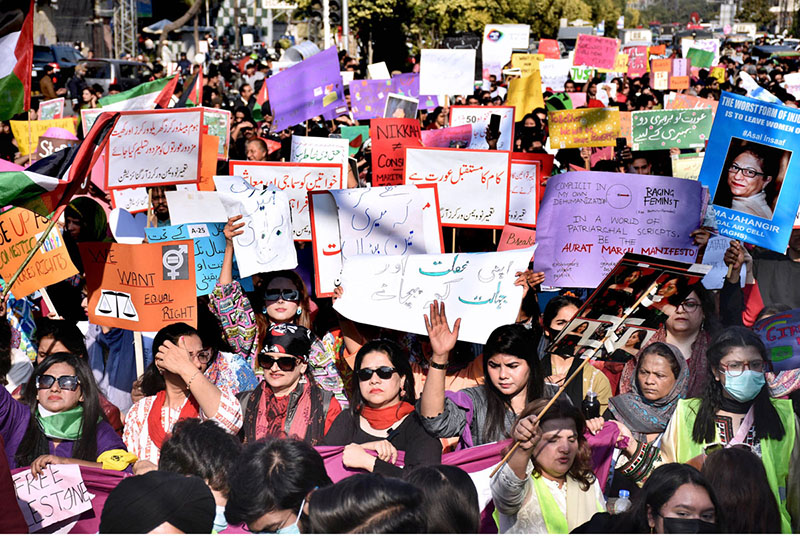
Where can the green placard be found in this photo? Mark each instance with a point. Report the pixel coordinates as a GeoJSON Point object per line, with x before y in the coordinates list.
{"type": "Point", "coordinates": [700, 58]}
{"type": "Point", "coordinates": [664, 129]}
{"type": "Point", "coordinates": [356, 136]}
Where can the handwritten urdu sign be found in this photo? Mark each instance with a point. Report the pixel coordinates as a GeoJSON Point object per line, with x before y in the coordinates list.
{"type": "Point", "coordinates": [59, 493]}
{"type": "Point", "coordinates": [664, 129]}
{"type": "Point", "coordinates": [527, 172]}
{"type": "Point", "coordinates": [320, 150]}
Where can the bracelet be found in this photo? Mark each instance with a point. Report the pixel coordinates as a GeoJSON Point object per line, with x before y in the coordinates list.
{"type": "Point", "coordinates": [189, 383]}
{"type": "Point", "coordinates": [440, 366]}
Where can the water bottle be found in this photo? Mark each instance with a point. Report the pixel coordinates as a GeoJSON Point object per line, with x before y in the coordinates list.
{"type": "Point", "coordinates": [590, 406]}
{"type": "Point", "coordinates": [621, 504]}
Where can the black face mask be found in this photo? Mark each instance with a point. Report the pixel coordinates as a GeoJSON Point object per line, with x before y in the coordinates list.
{"type": "Point", "coordinates": [677, 525]}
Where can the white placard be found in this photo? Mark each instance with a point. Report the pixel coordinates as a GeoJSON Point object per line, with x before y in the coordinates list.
{"type": "Point", "coordinates": [378, 71]}
{"type": "Point", "coordinates": [266, 244]}
{"type": "Point", "coordinates": [136, 199]}
{"type": "Point", "coordinates": [447, 72]}
{"type": "Point", "coordinates": [296, 179]}
{"type": "Point", "coordinates": [88, 117]}
{"type": "Point", "coordinates": [715, 257]}
{"type": "Point", "coordinates": [554, 73]}
{"type": "Point", "coordinates": [710, 45]}
{"type": "Point", "coordinates": [522, 193]}
{"type": "Point", "coordinates": [395, 292]}
{"type": "Point", "coordinates": [154, 148]}
{"type": "Point", "coordinates": [58, 494]}
{"type": "Point", "coordinates": [472, 185]}
{"type": "Point", "coordinates": [479, 117]}
{"type": "Point", "coordinates": [313, 150]}
{"type": "Point", "coordinates": [187, 206]}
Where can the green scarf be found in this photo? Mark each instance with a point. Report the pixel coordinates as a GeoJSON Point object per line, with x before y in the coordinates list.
{"type": "Point", "coordinates": [63, 425]}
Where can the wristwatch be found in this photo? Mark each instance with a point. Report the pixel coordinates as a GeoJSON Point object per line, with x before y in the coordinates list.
{"type": "Point", "coordinates": [440, 366]}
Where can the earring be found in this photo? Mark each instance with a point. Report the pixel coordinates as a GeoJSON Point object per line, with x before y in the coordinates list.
{"type": "Point", "coordinates": [299, 311]}
{"type": "Point", "coordinates": [264, 310]}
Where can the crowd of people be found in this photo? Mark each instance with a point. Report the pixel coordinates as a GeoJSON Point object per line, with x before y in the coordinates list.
{"type": "Point", "coordinates": [227, 427]}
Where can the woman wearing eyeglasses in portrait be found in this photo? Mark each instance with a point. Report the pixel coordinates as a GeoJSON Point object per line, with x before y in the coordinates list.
{"type": "Point", "coordinates": [285, 300]}
{"type": "Point", "coordinates": [382, 417]}
{"type": "Point", "coordinates": [736, 409]}
{"type": "Point", "coordinates": [747, 183]}
{"type": "Point", "coordinates": [60, 420]}
{"type": "Point", "coordinates": [175, 388]}
{"type": "Point", "coordinates": [287, 402]}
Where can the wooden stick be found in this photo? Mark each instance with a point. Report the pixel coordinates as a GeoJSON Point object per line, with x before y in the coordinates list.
{"type": "Point", "coordinates": [453, 250]}
{"type": "Point", "coordinates": [138, 349]}
{"type": "Point", "coordinates": [31, 253]}
{"type": "Point", "coordinates": [150, 213]}
{"type": "Point", "coordinates": [730, 271]}
{"type": "Point", "coordinates": [47, 301]}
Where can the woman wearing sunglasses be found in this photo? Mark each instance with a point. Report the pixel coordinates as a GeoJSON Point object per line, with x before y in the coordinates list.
{"type": "Point", "coordinates": [60, 419]}
{"type": "Point", "coordinates": [285, 301]}
{"type": "Point", "coordinates": [287, 402]}
{"type": "Point", "coordinates": [382, 416]}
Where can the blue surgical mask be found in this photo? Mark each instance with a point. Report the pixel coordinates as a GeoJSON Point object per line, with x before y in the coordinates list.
{"type": "Point", "coordinates": [220, 523]}
{"type": "Point", "coordinates": [746, 386]}
{"type": "Point", "coordinates": [293, 528]}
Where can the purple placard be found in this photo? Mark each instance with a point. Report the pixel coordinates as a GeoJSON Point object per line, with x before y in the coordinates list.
{"type": "Point", "coordinates": [588, 220]}
{"type": "Point", "coordinates": [368, 97]}
{"type": "Point", "coordinates": [310, 88]}
{"type": "Point", "coordinates": [407, 84]}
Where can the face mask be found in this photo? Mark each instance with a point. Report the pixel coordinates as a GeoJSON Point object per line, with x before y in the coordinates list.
{"type": "Point", "coordinates": [293, 528]}
{"type": "Point", "coordinates": [677, 525]}
{"type": "Point", "coordinates": [746, 386]}
{"type": "Point", "coordinates": [220, 523]}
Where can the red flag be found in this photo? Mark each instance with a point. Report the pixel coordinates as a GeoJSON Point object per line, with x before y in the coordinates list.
{"type": "Point", "coordinates": [263, 95]}
{"type": "Point", "coordinates": [197, 90]}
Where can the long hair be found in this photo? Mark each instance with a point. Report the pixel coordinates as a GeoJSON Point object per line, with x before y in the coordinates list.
{"type": "Point", "coordinates": [34, 443]}
{"type": "Point", "coordinates": [765, 417]}
{"type": "Point", "coordinates": [152, 379]}
{"type": "Point", "coordinates": [554, 306]}
{"type": "Point", "coordinates": [399, 361]}
{"type": "Point", "coordinates": [262, 322]}
{"type": "Point", "coordinates": [517, 341]}
{"type": "Point", "coordinates": [449, 499]}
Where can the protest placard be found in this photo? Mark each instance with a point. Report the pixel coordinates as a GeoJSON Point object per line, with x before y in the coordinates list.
{"type": "Point", "coordinates": [714, 256]}
{"type": "Point", "coordinates": [681, 101]}
{"type": "Point", "coordinates": [407, 84]}
{"type": "Point", "coordinates": [612, 214]}
{"type": "Point", "coordinates": [587, 127]}
{"type": "Point", "coordinates": [154, 148]}
{"type": "Point", "coordinates": [127, 228]}
{"type": "Point", "coordinates": [554, 73]}
{"type": "Point", "coordinates": [459, 280]}
{"type": "Point", "coordinates": [57, 494]}
{"type": "Point", "coordinates": [219, 124]}
{"type": "Point", "coordinates": [549, 49]}
{"type": "Point", "coordinates": [368, 98]}
{"type": "Point", "coordinates": [514, 237]}
{"type": "Point", "coordinates": [311, 87]}
{"type": "Point", "coordinates": [528, 170]}
{"type": "Point", "coordinates": [625, 127]}
{"type": "Point", "coordinates": [620, 65]}
{"type": "Point", "coordinates": [88, 117]}
{"type": "Point", "coordinates": [20, 229]}
{"type": "Point", "coordinates": [750, 173]}
{"type": "Point", "coordinates": [137, 199]}
{"type": "Point", "coordinates": [707, 45]}
{"type": "Point", "coordinates": [186, 206]}
{"type": "Point", "coordinates": [479, 117]}
{"type": "Point", "coordinates": [700, 58]}
{"type": "Point", "coordinates": [634, 300]}
{"type": "Point", "coordinates": [499, 40]}
{"type": "Point", "coordinates": [141, 287]}
{"type": "Point", "coordinates": [48, 146]}
{"type": "Point", "coordinates": [663, 129]}
{"type": "Point", "coordinates": [296, 179]}
{"type": "Point", "coordinates": [310, 149]}
{"type": "Point", "coordinates": [581, 74]}
{"type": "Point", "coordinates": [781, 335]}
{"type": "Point", "coordinates": [526, 63]}
{"type": "Point", "coordinates": [266, 244]}
{"type": "Point", "coordinates": [472, 185]}
{"type": "Point", "coordinates": [637, 61]}
{"type": "Point", "coordinates": [51, 109]}
{"type": "Point", "coordinates": [447, 72]}
{"type": "Point", "coordinates": [355, 136]}
{"type": "Point", "coordinates": [389, 138]}
{"type": "Point", "coordinates": [578, 99]}
{"type": "Point", "coordinates": [452, 137]}
{"type": "Point", "coordinates": [687, 166]}
{"type": "Point", "coordinates": [525, 95]}
{"type": "Point", "coordinates": [595, 51]}
{"type": "Point", "coordinates": [378, 71]}
{"type": "Point", "coordinates": [27, 133]}
{"type": "Point", "coordinates": [400, 106]}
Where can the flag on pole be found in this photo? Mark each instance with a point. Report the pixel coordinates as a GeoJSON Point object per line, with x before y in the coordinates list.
{"type": "Point", "coordinates": [16, 56]}
{"type": "Point", "coordinates": [142, 97]}
{"type": "Point", "coordinates": [193, 92]}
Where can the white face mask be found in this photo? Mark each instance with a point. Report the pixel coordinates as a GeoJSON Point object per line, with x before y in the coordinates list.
{"type": "Point", "coordinates": [220, 523]}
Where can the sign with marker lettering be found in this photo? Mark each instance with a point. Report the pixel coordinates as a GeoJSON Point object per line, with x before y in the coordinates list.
{"type": "Point", "coordinates": [554, 73]}
{"type": "Point", "coordinates": [308, 149]}
{"type": "Point", "coordinates": [27, 133]}
{"type": "Point", "coordinates": [137, 199]}
{"type": "Point", "coordinates": [612, 214]}
{"type": "Point", "coordinates": [781, 335]}
{"type": "Point", "coordinates": [52, 109]}
{"type": "Point", "coordinates": [585, 127]}
{"type": "Point", "coordinates": [390, 136]}
{"type": "Point", "coordinates": [681, 101]}
{"type": "Point", "coordinates": [142, 287]}
{"type": "Point", "coordinates": [296, 179]}
{"type": "Point", "coordinates": [479, 117]}
{"type": "Point", "coordinates": [59, 493]}
{"type": "Point", "coordinates": [687, 166]}
{"type": "Point", "coordinates": [394, 292]}
{"type": "Point", "coordinates": [663, 129]}
{"type": "Point", "coordinates": [595, 51]}
{"type": "Point", "coordinates": [154, 148]}
{"type": "Point", "coordinates": [637, 61]}
{"type": "Point", "coordinates": [528, 170]}
{"type": "Point", "coordinates": [514, 237]}
{"type": "Point", "coordinates": [49, 146]}
{"type": "Point", "coordinates": [472, 185]}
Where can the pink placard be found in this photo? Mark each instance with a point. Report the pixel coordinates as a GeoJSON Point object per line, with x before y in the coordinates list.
{"type": "Point", "coordinates": [514, 237]}
{"type": "Point", "coordinates": [578, 100]}
{"type": "Point", "coordinates": [550, 49]}
{"type": "Point", "coordinates": [59, 493]}
{"type": "Point", "coordinates": [595, 51]}
{"type": "Point", "coordinates": [637, 61]}
{"type": "Point", "coordinates": [459, 136]}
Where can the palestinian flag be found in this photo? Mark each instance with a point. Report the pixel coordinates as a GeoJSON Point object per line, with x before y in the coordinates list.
{"type": "Point", "coordinates": [261, 98]}
{"type": "Point", "coordinates": [142, 97]}
{"type": "Point", "coordinates": [49, 184]}
{"type": "Point", "coordinates": [16, 56]}
{"type": "Point", "coordinates": [193, 92]}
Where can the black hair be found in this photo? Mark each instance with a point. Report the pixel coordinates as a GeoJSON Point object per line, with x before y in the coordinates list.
{"type": "Point", "coordinates": [273, 474]}
{"type": "Point", "coordinates": [5, 351]}
{"type": "Point", "coordinates": [517, 341]}
{"type": "Point", "coordinates": [367, 503]}
{"type": "Point", "coordinates": [63, 331]}
{"type": "Point", "coordinates": [34, 443]}
{"type": "Point", "coordinates": [449, 499]}
{"type": "Point", "coordinates": [773, 309]}
{"type": "Point", "coordinates": [740, 480]}
{"type": "Point", "coordinates": [765, 417]}
{"type": "Point", "coordinates": [399, 361]}
{"type": "Point", "coordinates": [152, 379]}
{"type": "Point", "coordinates": [555, 305]}
{"type": "Point", "coordinates": [642, 336]}
{"type": "Point", "coordinates": [770, 160]}
{"type": "Point", "coordinates": [663, 350]}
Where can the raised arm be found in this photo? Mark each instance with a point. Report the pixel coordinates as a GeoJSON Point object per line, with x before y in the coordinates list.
{"type": "Point", "coordinates": [231, 230]}
{"type": "Point", "coordinates": [443, 339]}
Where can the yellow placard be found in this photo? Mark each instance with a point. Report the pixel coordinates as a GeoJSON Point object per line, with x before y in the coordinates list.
{"type": "Point", "coordinates": [687, 166]}
{"type": "Point", "coordinates": [584, 127]}
{"type": "Point", "coordinates": [620, 65]}
{"type": "Point", "coordinates": [525, 95]}
{"type": "Point", "coordinates": [527, 63]}
{"type": "Point", "coordinates": [719, 74]}
{"type": "Point", "coordinates": [37, 128]}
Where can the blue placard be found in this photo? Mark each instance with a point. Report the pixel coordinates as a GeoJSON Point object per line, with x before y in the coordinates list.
{"type": "Point", "coordinates": [751, 170]}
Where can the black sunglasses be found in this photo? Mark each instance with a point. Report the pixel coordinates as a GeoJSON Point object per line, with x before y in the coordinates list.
{"type": "Point", "coordinates": [384, 373]}
{"type": "Point", "coordinates": [68, 383]}
{"type": "Point", "coordinates": [288, 294]}
{"type": "Point", "coordinates": [285, 363]}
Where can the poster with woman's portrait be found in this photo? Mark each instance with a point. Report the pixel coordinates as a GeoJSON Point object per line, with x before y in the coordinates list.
{"type": "Point", "coordinates": [751, 170]}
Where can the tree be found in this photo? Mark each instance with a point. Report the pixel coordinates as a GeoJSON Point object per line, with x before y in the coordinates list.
{"type": "Point", "coordinates": [544, 15]}
{"type": "Point", "coordinates": [756, 11]}
{"type": "Point", "coordinates": [193, 10]}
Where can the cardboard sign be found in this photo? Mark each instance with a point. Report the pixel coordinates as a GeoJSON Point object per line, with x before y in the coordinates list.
{"type": "Point", "coordinates": [525, 95]}
{"type": "Point", "coordinates": [27, 133]}
{"type": "Point", "coordinates": [306, 149]}
{"type": "Point", "coordinates": [528, 170]}
{"type": "Point", "coordinates": [595, 51]}
{"type": "Point", "coordinates": [514, 237]}
{"type": "Point", "coordinates": [499, 40]}
{"type": "Point", "coordinates": [549, 49]}
{"type": "Point", "coordinates": [59, 493]}
{"type": "Point", "coordinates": [662, 129]}
{"type": "Point", "coordinates": [447, 72]}
{"type": "Point", "coordinates": [219, 125]}
{"type": "Point", "coordinates": [554, 73]}
{"type": "Point", "coordinates": [780, 334]}
{"type": "Point", "coordinates": [637, 61]}
{"type": "Point", "coordinates": [450, 137]}
{"type": "Point", "coordinates": [472, 185]}
{"type": "Point", "coordinates": [479, 117]}
{"type": "Point", "coordinates": [625, 129]}
{"type": "Point", "coordinates": [136, 200]}
{"type": "Point", "coordinates": [51, 109]}
{"type": "Point", "coordinates": [378, 71]}
{"type": "Point", "coordinates": [714, 256]}
{"type": "Point", "coordinates": [356, 136]}
{"type": "Point", "coordinates": [141, 287]}
{"type": "Point", "coordinates": [612, 214]}
{"type": "Point", "coordinates": [296, 179]}
{"type": "Point", "coordinates": [389, 139]}
{"type": "Point", "coordinates": [368, 98]}
{"type": "Point", "coordinates": [400, 107]}
{"type": "Point", "coordinates": [681, 101]}
{"type": "Point", "coordinates": [186, 206]}
{"type": "Point", "coordinates": [687, 166]}
{"type": "Point", "coordinates": [155, 148]}
{"type": "Point", "coordinates": [49, 146]}
{"type": "Point", "coordinates": [407, 84]}
{"type": "Point", "coordinates": [587, 127]}
{"type": "Point", "coordinates": [526, 63]}
{"type": "Point", "coordinates": [20, 229]}
{"type": "Point", "coordinates": [620, 65]}
{"type": "Point", "coordinates": [581, 74]}
{"type": "Point", "coordinates": [376, 290]}
{"type": "Point", "coordinates": [757, 138]}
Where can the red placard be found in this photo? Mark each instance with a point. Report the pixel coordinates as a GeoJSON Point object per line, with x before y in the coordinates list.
{"type": "Point", "coordinates": [390, 136]}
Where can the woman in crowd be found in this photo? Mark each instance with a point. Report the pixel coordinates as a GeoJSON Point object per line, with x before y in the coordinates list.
{"type": "Point", "coordinates": [285, 301]}
{"type": "Point", "coordinates": [287, 402]}
{"type": "Point", "coordinates": [60, 420]}
{"type": "Point", "coordinates": [175, 389]}
{"type": "Point", "coordinates": [547, 486]}
{"type": "Point", "coordinates": [746, 181]}
{"type": "Point", "coordinates": [486, 413]}
{"type": "Point", "coordinates": [382, 416]}
{"type": "Point", "coordinates": [449, 499]}
{"type": "Point", "coordinates": [736, 409]}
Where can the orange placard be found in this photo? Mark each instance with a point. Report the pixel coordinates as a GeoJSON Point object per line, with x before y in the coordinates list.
{"type": "Point", "coordinates": [514, 237]}
{"type": "Point", "coordinates": [142, 287]}
{"type": "Point", "coordinates": [208, 162]}
{"type": "Point", "coordinates": [657, 50]}
{"type": "Point", "coordinates": [679, 82]}
{"type": "Point", "coordinates": [658, 66]}
{"type": "Point", "coordinates": [20, 230]}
